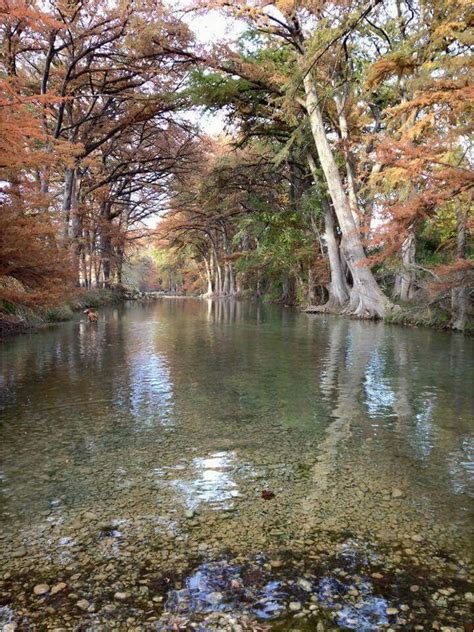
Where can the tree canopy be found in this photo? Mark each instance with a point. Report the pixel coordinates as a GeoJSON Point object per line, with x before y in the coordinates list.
{"type": "Point", "coordinates": [343, 180]}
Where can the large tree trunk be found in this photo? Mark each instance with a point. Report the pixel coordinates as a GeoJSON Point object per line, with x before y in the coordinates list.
{"type": "Point", "coordinates": [218, 276]}
{"type": "Point", "coordinates": [105, 243]}
{"type": "Point", "coordinates": [311, 290]}
{"type": "Point", "coordinates": [226, 283]}
{"type": "Point", "coordinates": [338, 288]}
{"type": "Point", "coordinates": [340, 101]}
{"type": "Point", "coordinates": [119, 265]}
{"type": "Point", "coordinates": [287, 296]}
{"type": "Point", "coordinates": [72, 219]}
{"type": "Point", "coordinates": [404, 288]}
{"type": "Point", "coordinates": [238, 284]}
{"type": "Point", "coordinates": [229, 279]}
{"type": "Point", "coordinates": [232, 290]}
{"type": "Point", "coordinates": [69, 192]}
{"type": "Point", "coordinates": [366, 300]}
{"type": "Point", "coordinates": [76, 226]}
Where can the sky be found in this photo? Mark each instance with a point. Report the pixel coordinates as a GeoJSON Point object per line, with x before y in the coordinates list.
{"type": "Point", "coordinates": [209, 29]}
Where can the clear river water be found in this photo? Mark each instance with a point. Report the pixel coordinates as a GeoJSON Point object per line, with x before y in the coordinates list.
{"type": "Point", "coordinates": [188, 464]}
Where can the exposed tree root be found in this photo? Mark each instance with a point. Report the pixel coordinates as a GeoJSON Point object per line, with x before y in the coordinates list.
{"type": "Point", "coordinates": [359, 306]}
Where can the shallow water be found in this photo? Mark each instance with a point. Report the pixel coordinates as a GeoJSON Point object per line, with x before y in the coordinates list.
{"type": "Point", "coordinates": [134, 453]}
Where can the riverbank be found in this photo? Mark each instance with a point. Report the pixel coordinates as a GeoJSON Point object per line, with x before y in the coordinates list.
{"type": "Point", "coordinates": [19, 319]}
{"type": "Point", "coordinates": [407, 315]}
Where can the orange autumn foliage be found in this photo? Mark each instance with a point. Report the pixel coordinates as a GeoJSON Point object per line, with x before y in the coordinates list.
{"type": "Point", "coordinates": [33, 263]}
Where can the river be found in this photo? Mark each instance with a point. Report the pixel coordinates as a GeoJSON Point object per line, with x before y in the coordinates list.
{"type": "Point", "coordinates": [221, 465]}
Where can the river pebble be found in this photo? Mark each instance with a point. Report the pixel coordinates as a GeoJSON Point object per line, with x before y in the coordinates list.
{"type": "Point", "coordinates": [41, 589]}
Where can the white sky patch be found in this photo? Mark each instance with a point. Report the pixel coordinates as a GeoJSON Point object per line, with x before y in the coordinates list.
{"type": "Point", "coordinates": [211, 123]}
{"type": "Point", "coordinates": [214, 27]}
{"type": "Point", "coordinates": [209, 28]}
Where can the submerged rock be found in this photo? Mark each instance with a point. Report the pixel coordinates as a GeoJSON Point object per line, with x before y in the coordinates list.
{"type": "Point", "coordinates": [83, 604]}
{"type": "Point", "coordinates": [58, 587]}
{"type": "Point", "coordinates": [41, 589]}
{"type": "Point", "coordinates": [305, 584]}
{"type": "Point", "coordinates": [214, 597]}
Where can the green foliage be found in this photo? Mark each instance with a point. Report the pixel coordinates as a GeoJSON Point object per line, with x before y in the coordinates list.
{"type": "Point", "coordinates": [94, 297]}
{"type": "Point", "coordinates": [58, 314]}
{"type": "Point", "coordinates": [7, 307]}
{"type": "Point", "coordinates": [392, 94]}
{"type": "Point", "coordinates": [215, 90]}
{"type": "Point", "coordinates": [282, 241]}
{"type": "Point", "coordinates": [423, 316]}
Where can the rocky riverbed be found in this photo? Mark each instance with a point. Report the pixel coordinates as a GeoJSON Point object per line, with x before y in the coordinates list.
{"type": "Point", "coordinates": [197, 547]}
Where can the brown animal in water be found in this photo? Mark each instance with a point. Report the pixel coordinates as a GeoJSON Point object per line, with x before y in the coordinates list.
{"type": "Point", "coordinates": [91, 315]}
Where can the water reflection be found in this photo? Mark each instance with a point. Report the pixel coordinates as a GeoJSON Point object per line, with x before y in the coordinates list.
{"type": "Point", "coordinates": [224, 311]}
{"type": "Point", "coordinates": [251, 588]}
{"type": "Point", "coordinates": [380, 398]}
{"type": "Point", "coordinates": [149, 439]}
{"type": "Point", "coordinates": [461, 468]}
{"type": "Point", "coordinates": [225, 587]}
{"type": "Point", "coordinates": [209, 480]}
{"type": "Point", "coordinates": [227, 380]}
{"type": "Point", "coordinates": [151, 392]}
{"type": "Point", "coordinates": [367, 615]}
